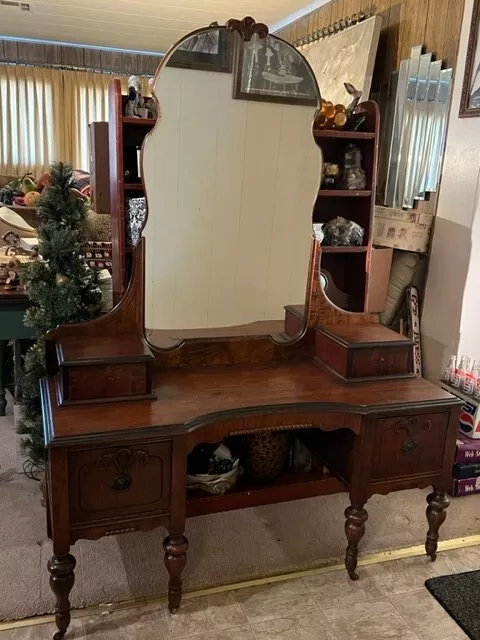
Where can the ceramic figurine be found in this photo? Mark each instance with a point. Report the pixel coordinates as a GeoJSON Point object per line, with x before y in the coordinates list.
{"type": "Point", "coordinates": [356, 95]}
{"type": "Point", "coordinates": [135, 101]}
{"type": "Point", "coordinates": [13, 274]}
{"type": "Point", "coordinates": [338, 116]}
{"type": "Point", "coordinates": [354, 176]}
{"type": "Point", "coordinates": [331, 175]}
{"type": "Point", "coordinates": [341, 232]}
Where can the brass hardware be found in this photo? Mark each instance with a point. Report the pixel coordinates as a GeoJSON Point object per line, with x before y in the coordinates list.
{"type": "Point", "coordinates": [122, 460]}
{"type": "Point", "coordinates": [409, 446]}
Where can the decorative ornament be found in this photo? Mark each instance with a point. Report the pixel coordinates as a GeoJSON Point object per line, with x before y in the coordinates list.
{"type": "Point", "coordinates": [267, 454]}
{"type": "Point", "coordinates": [60, 279]}
{"type": "Point", "coordinates": [341, 232]}
{"type": "Point", "coordinates": [247, 28]}
{"type": "Point", "coordinates": [339, 116]}
{"type": "Point", "coordinates": [354, 177]}
{"type": "Point", "coordinates": [135, 103]}
{"type": "Point", "coordinates": [13, 274]}
{"type": "Point", "coordinates": [331, 175]}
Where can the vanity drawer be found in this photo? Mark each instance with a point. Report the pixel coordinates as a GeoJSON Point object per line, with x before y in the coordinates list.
{"type": "Point", "coordinates": [115, 482]}
{"type": "Point", "coordinates": [382, 361]}
{"type": "Point", "coordinates": [409, 445]}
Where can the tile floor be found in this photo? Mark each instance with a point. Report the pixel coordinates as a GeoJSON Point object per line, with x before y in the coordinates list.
{"type": "Point", "coordinates": [389, 602]}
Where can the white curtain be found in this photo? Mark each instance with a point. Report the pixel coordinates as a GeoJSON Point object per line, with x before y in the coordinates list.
{"type": "Point", "coordinates": [45, 113]}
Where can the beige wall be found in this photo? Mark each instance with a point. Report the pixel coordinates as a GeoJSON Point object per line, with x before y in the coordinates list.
{"type": "Point", "coordinates": [451, 308]}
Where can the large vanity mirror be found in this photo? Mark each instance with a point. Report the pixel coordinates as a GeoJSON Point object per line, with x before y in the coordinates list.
{"type": "Point", "coordinates": [231, 173]}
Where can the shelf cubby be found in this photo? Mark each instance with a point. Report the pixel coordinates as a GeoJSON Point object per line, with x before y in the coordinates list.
{"type": "Point", "coordinates": [350, 267]}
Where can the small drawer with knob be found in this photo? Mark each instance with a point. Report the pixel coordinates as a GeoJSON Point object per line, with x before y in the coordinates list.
{"type": "Point", "coordinates": [118, 481]}
{"type": "Point", "coordinates": [409, 445]}
{"type": "Point", "coordinates": [364, 352]}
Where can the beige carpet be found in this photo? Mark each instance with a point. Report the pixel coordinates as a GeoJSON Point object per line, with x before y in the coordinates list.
{"type": "Point", "coordinates": [224, 548]}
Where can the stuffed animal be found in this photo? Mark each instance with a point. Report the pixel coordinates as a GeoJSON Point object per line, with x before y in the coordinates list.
{"type": "Point", "coordinates": [135, 100]}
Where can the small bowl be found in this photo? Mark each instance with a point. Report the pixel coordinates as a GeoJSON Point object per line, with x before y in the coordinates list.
{"type": "Point", "coordinates": [217, 485]}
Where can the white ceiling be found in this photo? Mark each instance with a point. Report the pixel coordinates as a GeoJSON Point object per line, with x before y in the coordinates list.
{"type": "Point", "coordinates": [146, 25]}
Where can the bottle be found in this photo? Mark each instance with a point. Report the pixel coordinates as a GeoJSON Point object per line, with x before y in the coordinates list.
{"type": "Point", "coordinates": [476, 378]}
{"type": "Point", "coordinates": [470, 380]}
{"type": "Point", "coordinates": [447, 371]}
{"type": "Point", "coordinates": [463, 369]}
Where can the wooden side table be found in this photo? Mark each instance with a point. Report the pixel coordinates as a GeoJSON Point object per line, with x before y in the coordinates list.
{"type": "Point", "coordinates": [13, 304]}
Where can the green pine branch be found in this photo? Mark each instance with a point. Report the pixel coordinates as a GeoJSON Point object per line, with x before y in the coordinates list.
{"type": "Point", "coordinates": [61, 288]}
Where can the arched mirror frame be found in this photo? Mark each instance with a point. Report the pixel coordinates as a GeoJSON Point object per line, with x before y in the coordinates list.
{"type": "Point", "coordinates": [245, 30]}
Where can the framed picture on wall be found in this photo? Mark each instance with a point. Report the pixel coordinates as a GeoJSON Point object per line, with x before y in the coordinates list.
{"type": "Point", "coordinates": [470, 100]}
{"type": "Point", "coordinates": [210, 50]}
{"type": "Point", "coordinates": [270, 70]}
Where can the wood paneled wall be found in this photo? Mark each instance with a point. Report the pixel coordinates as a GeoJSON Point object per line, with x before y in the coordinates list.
{"type": "Point", "coordinates": [124, 62]}
{"type": "Point", "coordinates": [434, 23]}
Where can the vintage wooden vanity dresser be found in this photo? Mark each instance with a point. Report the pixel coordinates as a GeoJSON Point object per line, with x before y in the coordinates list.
{"type": "Point", "coordinates": [230, 183]}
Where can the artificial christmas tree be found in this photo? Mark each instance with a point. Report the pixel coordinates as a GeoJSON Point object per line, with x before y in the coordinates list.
{"type": "Point", "coordinates": [62, 289]}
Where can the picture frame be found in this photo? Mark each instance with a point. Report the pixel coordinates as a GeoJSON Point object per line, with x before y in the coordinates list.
{"type": "Point", "coordinates": [271, 70]}
{"type": "Point", "coordinates": [208, 50]}
{"type": "Point", "coordinates": [470, 99]}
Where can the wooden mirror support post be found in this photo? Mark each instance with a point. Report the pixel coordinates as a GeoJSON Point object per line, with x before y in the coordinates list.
{"type": "Point", "coordinates": [120, 417]}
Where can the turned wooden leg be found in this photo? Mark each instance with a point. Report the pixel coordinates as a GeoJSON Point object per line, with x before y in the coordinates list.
{"type": "Point", "coordinates": [436, 514]}
{"type": "Point", "coordinates": [62, 578]}
{"type": "Point", "coordinates": [354, 529]}
{"type": "Point", "coordinates": [176, 547]}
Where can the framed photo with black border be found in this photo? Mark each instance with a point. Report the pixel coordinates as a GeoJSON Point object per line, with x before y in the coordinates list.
{"type": "Point", "coordinates": [470, 100]}
{"type": "Point", "coordinates": [271, 70]}
{"type": "Point", "coordinates": [209, 50]}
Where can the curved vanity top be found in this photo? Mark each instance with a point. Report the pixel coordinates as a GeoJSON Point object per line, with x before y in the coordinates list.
{"type": "Point", "coordinates": [197, 397]}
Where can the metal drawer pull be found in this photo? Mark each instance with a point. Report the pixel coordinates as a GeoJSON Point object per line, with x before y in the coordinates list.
{"type": "Point", "coordinates": [123, 460]}
{"type": "Point", "coordinates": [413, 426]}
{"type": "Point", "coordinates": [409, 446]}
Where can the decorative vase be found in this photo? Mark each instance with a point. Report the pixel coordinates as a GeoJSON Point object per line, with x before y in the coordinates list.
{"type": "Point", "coordinates": [267, 454]}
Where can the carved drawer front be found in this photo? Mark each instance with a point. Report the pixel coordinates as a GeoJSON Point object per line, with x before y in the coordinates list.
{"type": "Point", "coordinates": [114, 482]}
{"type": "Point", "coordinates": [409, 445]}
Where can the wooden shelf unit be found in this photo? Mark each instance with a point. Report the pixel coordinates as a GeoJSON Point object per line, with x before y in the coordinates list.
{"type": "Point", "coordinates": [343, 135]}
{"type": "Point", "coordinates": [350, 267]}
{"type": "Point", "coordinates": [344, 249]}
{"type": "Point", "coordinates": [125, 134]}
{"type": "Point", "coordinates": [343, 193]}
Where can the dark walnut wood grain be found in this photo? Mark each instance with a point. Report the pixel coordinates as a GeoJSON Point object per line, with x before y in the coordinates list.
{"type": "Point", "coordinates": [436, 514]}
{"type": "Point", "coordinates": [118, 464]}
{"type": "Point", "coordinates": [62, 579]}
{"type": "Point", "coordinates": [357, 352]}
{"type": "Point", "coordinates": [356, 517]}
{"type": "Point", "coordinates": [205, 396]}
{"type": "Point", "coordinates": [111, 482]}
{"type": "Point", "coordinates": [176, 548]}
{"type": "Point", "coordinates": [247, 28]}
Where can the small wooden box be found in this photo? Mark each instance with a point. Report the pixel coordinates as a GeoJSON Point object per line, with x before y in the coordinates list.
{"type": "Point", "coordinates": [364, 352]}
{"type": "Point", "coordinates": [96, 373]}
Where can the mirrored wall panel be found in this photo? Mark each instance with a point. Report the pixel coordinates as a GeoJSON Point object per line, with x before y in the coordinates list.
{"type": "Point", "coordinates": [415, 139]}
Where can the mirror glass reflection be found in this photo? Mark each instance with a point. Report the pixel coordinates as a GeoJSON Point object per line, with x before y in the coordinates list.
{"type": "Point", "coordinates": [231, 173]}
